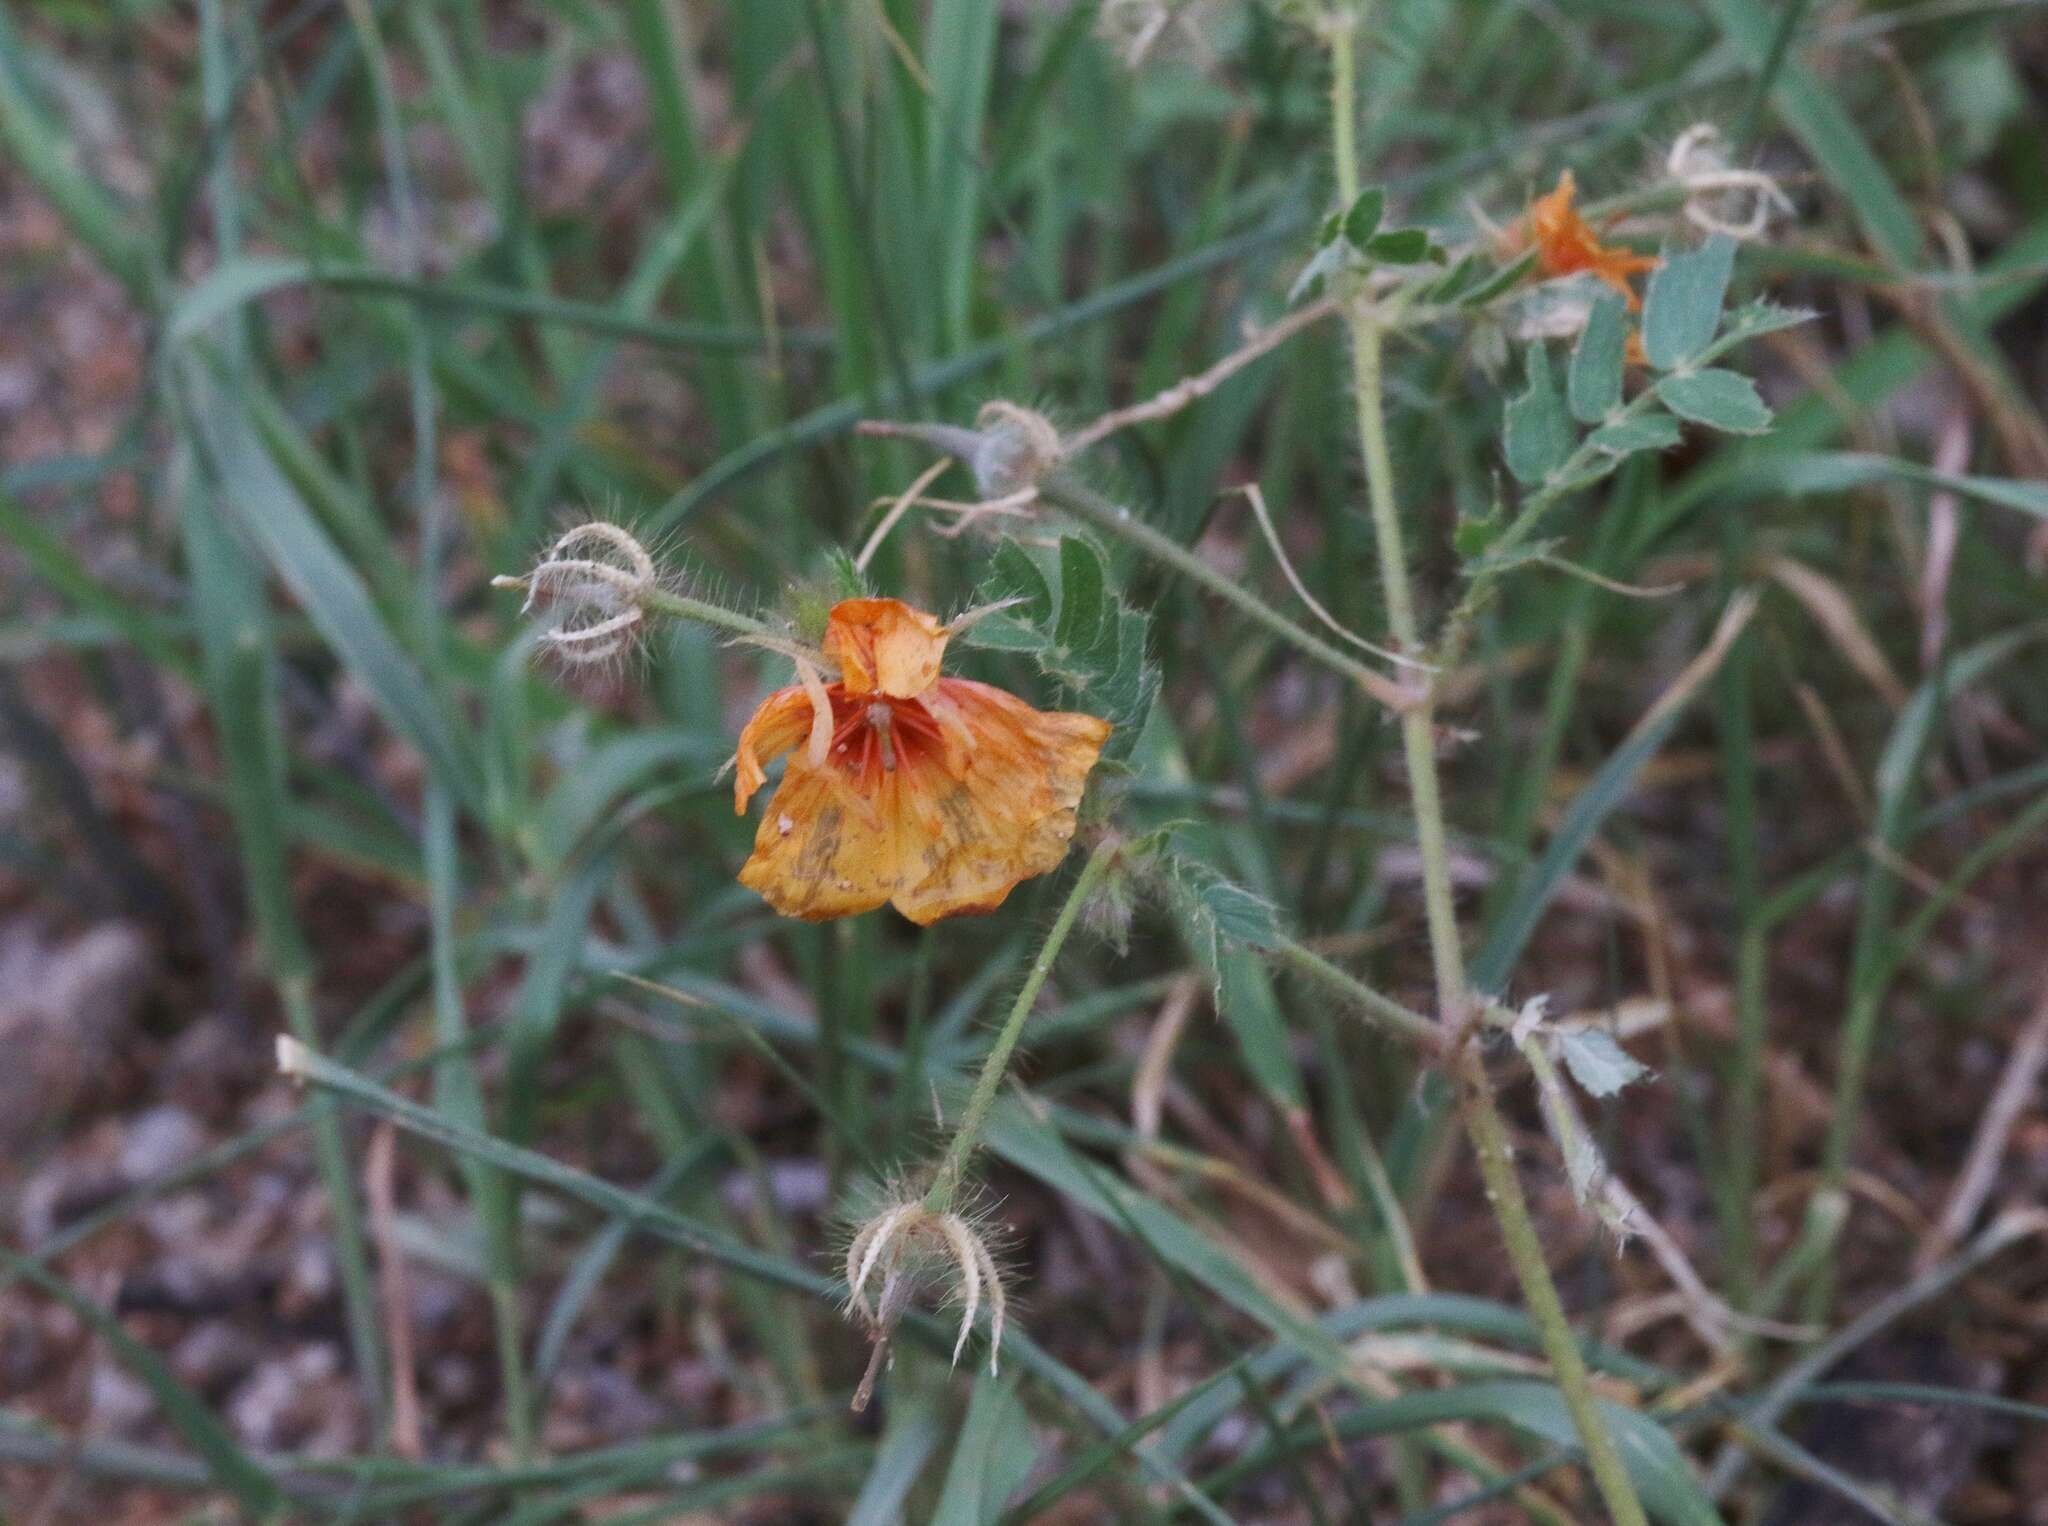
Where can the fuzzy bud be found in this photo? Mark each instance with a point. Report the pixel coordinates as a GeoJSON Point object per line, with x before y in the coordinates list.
{"type": "Point", "coordinates": [1018, 446]}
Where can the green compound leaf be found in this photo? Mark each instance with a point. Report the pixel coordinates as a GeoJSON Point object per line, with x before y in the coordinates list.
{"type": "Point", "coordinates": [1225, 912]}
{"type": "Point", "coordinates": [1093, 644]}
{"type": "Point", "coordinates": [1224, 924]}
{"type": "Point", "coordinates": [1014, 575]}
{"type": "Point", "coordinates": [1537, 435]}
{"type": "Point", "coordinates": [1755, 318]}
{"type": "Point", "coordinates": [1333, 256]}
{"type": "Point", "coordinates": [1473, 536]}
{"type": "Point", "coordinates": [1719, 399]}
{"type": "Point", "coordinates": [1464, 274]}
{"type": "Point", "coordinates": [1082, 582]}
{"type": "Point", "coordinates": [1593, 384]}
{"type": "Point", "coordinates": [1582, 476]}
{"type": "Point", "coordinates": [1646, 431]}
{"type": "Point", "coordinates": [847, 580]}
{"type": "Point", "coordinates": [1683, 307]}
{"type": "Point", "coordinates": [1362, 221]}
{"type": "Point", "coordinates": [1503, 280]}
{"type": "Point", "coordinates": [1401, 246]}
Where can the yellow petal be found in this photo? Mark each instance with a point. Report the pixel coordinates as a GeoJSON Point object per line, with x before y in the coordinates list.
{"type": "Point", "coordinates": [1003, 813]}
{"type": "Point", "coordinates": [823, 852]}
{"type": "Point", "coordinates": [883, 646]}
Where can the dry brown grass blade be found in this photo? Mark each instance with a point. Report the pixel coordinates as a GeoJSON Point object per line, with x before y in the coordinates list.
{"type": "Point", "coordinates": [1836, 615]}
{"type": "Point", "coordinates": [1834, 749]}
{"type": "Point", "coordinates": [1944, 532]}
{"type": "Point", "coordinates": [1973, 1184]}
{"type": "Point", "coordinates": [2022, 437]}
{"type": "Point", "coordinates": [1155, 1061]}
{"type": "Point", "coordinates": [393, 1288]}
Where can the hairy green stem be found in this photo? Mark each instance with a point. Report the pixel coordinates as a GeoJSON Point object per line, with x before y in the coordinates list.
{"type": "Point", "coordinates": [1477, 1107]}
{"type": "Point", "coordinates": [677, 606]}
{"type": "Point", "coordinates": [1490, 1142]}
{"type": "Point", "coordinates": [1064, 491]}
{"type": "Point", "coordinates": [1382, 1012]}
{"type": "Point", "coordinates": [974, 1117]}
{"type": "Point", "coordinates": [653, 599]}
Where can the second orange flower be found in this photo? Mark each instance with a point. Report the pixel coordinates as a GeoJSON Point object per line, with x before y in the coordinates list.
{"type": "Point", "coordinates": [938, 795]}
{"type": "Point", "coordinates": [1567, 244]}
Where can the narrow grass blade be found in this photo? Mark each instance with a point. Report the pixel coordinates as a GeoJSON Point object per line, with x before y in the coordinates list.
{"type": "Point", "coordinates": [231, 1467]}
{"type": "Point", "coordinates": [270, 511]}
{"type": "Point", "coordinates": [991, 1459]}
{"type": "Point", "coordinates": [1582, 818]}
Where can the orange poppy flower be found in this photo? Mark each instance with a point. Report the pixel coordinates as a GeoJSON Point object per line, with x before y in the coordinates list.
{"type": "Point", "coordinates": [1567, 244]}
{"type": "Point", "coordinates": [936, 794]}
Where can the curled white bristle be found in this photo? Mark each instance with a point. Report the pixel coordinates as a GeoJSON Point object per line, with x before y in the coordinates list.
{"type": "Point", "coordinates": [1719, 198]}
{"type": "Point", "coordinates": [907, 1245]}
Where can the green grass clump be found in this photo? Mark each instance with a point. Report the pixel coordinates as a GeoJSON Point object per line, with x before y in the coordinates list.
{"type": "Point", "coordinates": [1573, 791]}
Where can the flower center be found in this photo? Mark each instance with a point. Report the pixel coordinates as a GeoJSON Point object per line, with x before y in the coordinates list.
{"type": "Point", "coordinates": [872, 737]}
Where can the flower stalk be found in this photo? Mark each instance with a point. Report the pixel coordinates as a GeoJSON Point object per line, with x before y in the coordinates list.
{"type": "Point", "coordinates": [918, 1241]}
{"type": "Point", "coordinates": [1477, 1106]}
{"type": "Point", "coordinates": [944, 1191]}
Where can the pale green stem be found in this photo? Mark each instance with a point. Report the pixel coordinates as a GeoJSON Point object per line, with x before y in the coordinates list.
{"type": "Point", "coordinates": [974, 1117]}
{"type": "Point", "coordinates": [679, 607]}
{"type": "Point", "coordinates": [1525, 1252]}
{"type": "Point", "coordinates": [1418, 726]}
{"type": "Point", "coordinates": [1481, 1114]}
{"type": "Point", "coordinates": [655, 600]}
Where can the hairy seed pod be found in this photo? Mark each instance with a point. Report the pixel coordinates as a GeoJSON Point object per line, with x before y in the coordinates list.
{"type": "Point", "coordinates": [1018, 446]}
{"type": "Point", "coordinates": [590, 589]}
{"type": "Point", "coordinates": [904, 1248]}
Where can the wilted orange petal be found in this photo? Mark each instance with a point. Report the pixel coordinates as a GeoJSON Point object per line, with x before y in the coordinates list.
{"type": "Point", "coordinates": [783, 720]}
{"type": "Point", "coordinates": [1567, 244]}
{"type": "Point", "coordinates": [821, 851]}
{"type": "Point", "coordinates": [998, 811]}
{"type": "Point", "coordinates": [883, 646]}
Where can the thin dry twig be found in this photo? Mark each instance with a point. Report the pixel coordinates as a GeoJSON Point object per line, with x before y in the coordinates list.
{"type": "Point", "coordinates": [1155, 1063]}
{"type": "Point", "coordinates": [1612, 585]}
{"type": "Point", "coordinates": [2023, 1068]}
{"type": "Point", "coordinates": [1944, 533]}
{"type": "Point", "coordinates": [1836, 615]}
{"type": "Point", "coordinates": [1734, 619]}
{"type": "Point", "coordinates": [1834, 749]}
{"type": "Point", "coordinates": [1256, 497]}
{"type": "Point", "coordinates": [393, 1288]}
{"type": "Point", "coordinates": [2009, 1228]}
{"type": "Point", "coordinates": [1189, 389]}
{"type": "Point", "coordinates": [905, 502]}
